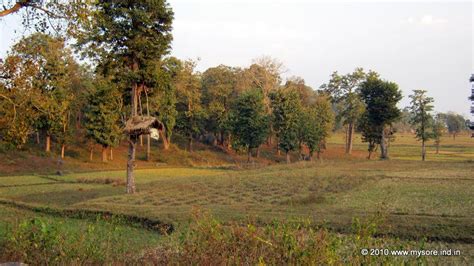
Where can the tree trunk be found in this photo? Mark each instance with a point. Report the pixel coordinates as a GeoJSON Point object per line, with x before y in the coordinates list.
{"type": "Point", "coordinates": [190, 144]}
{"type": "Point", "coordinates": [148, 143]}
{"type": "Point", "coordinates": [383, 147]}
{"type": "Point", "coordinates": [91, 154]}
{"type": "Point", "coordinates": [131, 164]}
{"type": "Point", "coordinates": [437, 148]}
{"type": "Point", "coordinates": [111, 153]}
{"type": "Point", "coordinates": [63, 148]}
{"type": "Point", "coordinates": [48, 143]}
{"type": "Point", "coordinates": [141, 140]}
{"type": "Point", "coordinates": [249, 155]}
{"type": "Point", "coordinates": [423, 150]}
{"type": "Point", "coordinates": [37, 137]}
{"type": "Point", "coordinates": [104, 154]}
{"type": "Point", "coordinates": [166, 144]}
{"type": "Point", "coordinates": [257, 154]}
{"type": "Point", "coordinates": [350, 137]}
{"type": "Point", "coordinates": [454, 136]}
{"type": "Point", "coordinates": [288, 157]}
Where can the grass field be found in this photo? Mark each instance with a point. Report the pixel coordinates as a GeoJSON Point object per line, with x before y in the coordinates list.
{"type": "Point", "coordinates": [418, 201]}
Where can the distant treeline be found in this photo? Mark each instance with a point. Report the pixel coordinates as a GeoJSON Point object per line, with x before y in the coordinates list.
{"type": "Point", "coordinates": [45, 92]}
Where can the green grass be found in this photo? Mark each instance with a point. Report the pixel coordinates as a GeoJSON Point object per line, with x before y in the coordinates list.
{"type": "Point", "coordinates": [421, 200]}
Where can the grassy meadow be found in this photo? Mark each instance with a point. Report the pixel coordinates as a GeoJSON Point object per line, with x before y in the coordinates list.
{"type": "Point", "coordinates": [345, 202]}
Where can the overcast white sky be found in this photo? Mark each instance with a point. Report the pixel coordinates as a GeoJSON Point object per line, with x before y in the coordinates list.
{"type": "Point", "coordinates": [419, 45]}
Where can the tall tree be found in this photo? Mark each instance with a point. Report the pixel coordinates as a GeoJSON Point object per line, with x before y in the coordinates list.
{"type": "Point", "coordinates": [132, 36]}
{"type": "Point", "coordinates": [319, 120]}
{"type": "Point", "coordinates": [250, 120]}
{"type": "Point", "coordinates": [218, 93]}
{"type": "Point", "coordinates": [439, 128]}
{"type": "Point", "coordinates": [421, 119]}
{"type": "Point", "coordinates": [48, 70]}
{"type": "Point", "coordinates": [102, 115]}
{"type": "Point", "coordinates": [286, 107]}
{"type": "Point", "coordinates": [164, 97]}
{"type": "Point", "coordinates": [380, 98]}
{"type": "Point", "coordinates": [344, 94]}
{"type": "Point", "coordinates": [455, 123]}
{"type": "Point", "coordinates": [190, 111]}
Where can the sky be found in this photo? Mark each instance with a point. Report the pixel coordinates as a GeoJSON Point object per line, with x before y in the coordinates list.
{"type": "Point", "coordinates": [419, 45]}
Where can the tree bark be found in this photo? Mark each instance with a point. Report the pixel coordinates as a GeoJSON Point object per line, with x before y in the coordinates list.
{"type": "Point", "coordinates": [104, 154]}
{"type": "Point", "coordinates": [166, 144]}
{"type": "Point", "coordinates": [63, 148]}
{"type": "Point", "coordinates": [350, 137]}
{"type": "Point", "coordinates": [131, 164]}
{"type": "Point", "coordinates": [288, 160]}
{"type": "Point", "coordinates": [383, 147]}
{"type": "Point", "coordinates": [423, 150]}
{"type": "Point", "coordinates": [111, 153]}
{"type": "Point", "coordinates": [148, 143]}
{"type": "Point", "coordinates": [141, 140]}
{"type": "Point", "coordinates": [48, 143]}
{"type": "Point", "coordinates": [37, 137]}
{"type": "Point", "coordinates": [190, 144]}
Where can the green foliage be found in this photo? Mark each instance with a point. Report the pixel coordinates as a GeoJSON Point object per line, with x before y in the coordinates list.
{"type": "Point", "coordinates": [286, 107]}
{"type": "Point", "coordinates": [39, 77]}
{"type": "Point", "coordinates": [250, 120]}
{"type": "Point", "coordinates": [380, 98]}
{"type": "Point", "coordinates": [344, 95]}
{"type": "Point", "coordinates": [317, 123]}
{"type": "Point", "coordinates": [218, 94]}
{"type": "Point", "coordinates": [421, 119]}
{"type": "Point", "coordinates": [102, 114]}
{"type": "Point", "coordinates": [455, 123]}
{"type": "Point", "coordinates": [190, 111]}
{"type": "Point", "coordinates": [41, 241]}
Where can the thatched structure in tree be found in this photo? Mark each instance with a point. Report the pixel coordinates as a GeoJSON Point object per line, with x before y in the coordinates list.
{"type": "Point", "coordinates": [142, 125]}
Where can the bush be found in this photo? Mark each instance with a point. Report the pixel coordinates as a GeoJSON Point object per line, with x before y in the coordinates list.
{"type": "Point", "coordinates": [40, 242]}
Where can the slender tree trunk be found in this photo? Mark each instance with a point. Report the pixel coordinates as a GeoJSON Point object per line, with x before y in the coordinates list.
{"type": "Point", "coordinates": [37, 137]}
{"type": "Point", "coordinates": [132, 139]}
{"type": "Point", "coordinates": [350, 138]}
{"type": "Point", "coordinates": [131, 164]}
{"type": "Point", "coordinates": [48, 143]}
{"type": "Point", "coordinates": [288, 160]}
{"type": "Point", "coordinates": [383, 147]}
{"type": "Point", "coordinates": [148, 143]}
{"type": "Point", "coordinates": [437, 148]}
{"type": "Point", "coordinates": [190, 144]}
{"type": "Point", "coordinates": [249, 154]}
{"type": "Point", "coordinates": [148, 138]}
{"type": "Point", "coordinates": [91, 154]}
{"type": "Point", "coordinates": [454, 136]}
{"type": "Point", "coordinates": [111, 153]}
{"type": "Point", "coordinates": [141, 140]}
{"type": "Point", "coordinates": [104, 154]}
{"type": "Point", "coordinates": [257, 154]}
{"type": "Point", "coordinates": [423, 150]}
{"type": "Point", "coordinates": [166, 144]}
{"type": "Point", "coordinates": [63, 148]}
